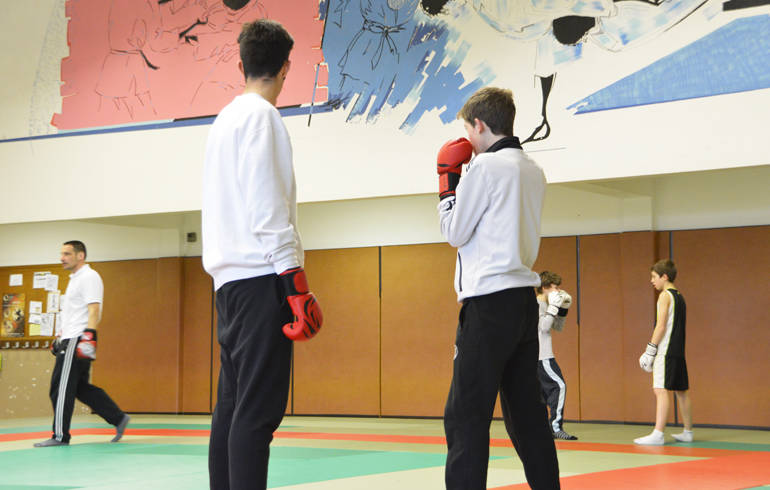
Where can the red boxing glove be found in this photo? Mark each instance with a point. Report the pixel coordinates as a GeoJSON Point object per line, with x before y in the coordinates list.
{"type": "Point", "coordinates": [307, 313]}
{"type": "Point", "coordinates": [449, 164]}
{"type": "Point", "coordinates": [86, 348]}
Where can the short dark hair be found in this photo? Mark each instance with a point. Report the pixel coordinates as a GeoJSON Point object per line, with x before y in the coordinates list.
{"type": "Point", "coordinates": [492, 105]}
{"type": "Point", "coordinates": [78, 246]}
{"type": "Point", "coordinates": [264, 46]}
{"type": "Point", "coordinates": [548, 278]}
{"type": "Point", "coordinates": [665, 266]}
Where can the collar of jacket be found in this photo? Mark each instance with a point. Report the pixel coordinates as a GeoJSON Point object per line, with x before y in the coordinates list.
{"type": "Point", "coordinates": [506, 142]}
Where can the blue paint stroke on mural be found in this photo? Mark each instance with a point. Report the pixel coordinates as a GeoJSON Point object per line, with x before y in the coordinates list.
{"type": "Point", "coordinates": [383, 53]}
{"type": "Point", "coordinates": [734, 58]}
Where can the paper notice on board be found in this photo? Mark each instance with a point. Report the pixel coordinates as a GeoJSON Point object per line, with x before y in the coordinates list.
{"type": "Point", "coordinates": [34, 318]}
{"type": "Point", "coordinates": [46, 324]}
{"type": "Point", "coordinates": [39, 280]}
{"type": "Point", "coordinates": [16, 280]}
{"type": "Point", "coordinates": [34, 329]}
{"type": "Point", "coordinates": [53, 302]}
{"type": "Point", "coordinates": [35, 307]}
{"type": "Point", "coordinates": [52, 282]}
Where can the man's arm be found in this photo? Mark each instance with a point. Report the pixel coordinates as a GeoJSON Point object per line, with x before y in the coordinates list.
{"type": "Point", "coordinates": [94, 315]}
{"type": "Point", "coordinates": [262, 181]}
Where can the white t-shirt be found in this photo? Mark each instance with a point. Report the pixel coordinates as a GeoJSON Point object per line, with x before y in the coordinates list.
{"type": "Point", "coordinates": [249, 213]}
{"type": "Point", "coordinates": [85, 287]}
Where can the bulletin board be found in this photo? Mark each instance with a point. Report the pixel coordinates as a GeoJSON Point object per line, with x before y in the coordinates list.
{"type": "Point", "coordinates": [25, 306]}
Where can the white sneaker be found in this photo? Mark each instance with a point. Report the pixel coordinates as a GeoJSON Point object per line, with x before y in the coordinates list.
{"type": "Point", "coordinates": [685, 436]}
{"type": "Point", "coordinates": [651, 439]}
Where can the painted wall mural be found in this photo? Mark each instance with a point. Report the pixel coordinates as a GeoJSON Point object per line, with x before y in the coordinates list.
{"type": "Point", "coordinates": [133, 61]}
{"type": "Point", "coordinates": [401, 61]}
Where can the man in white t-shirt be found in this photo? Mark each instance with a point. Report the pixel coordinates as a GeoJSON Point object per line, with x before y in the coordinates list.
{"type": "Point", "coordinates": [75, 348]}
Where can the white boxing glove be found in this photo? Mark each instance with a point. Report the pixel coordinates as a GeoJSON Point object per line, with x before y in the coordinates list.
{"type": "Point", "coordinates": [566, 302]}
{"type": "Point", "coordinates": [554, 302]}
{"type": "Point", "coordinates": [646, 360]}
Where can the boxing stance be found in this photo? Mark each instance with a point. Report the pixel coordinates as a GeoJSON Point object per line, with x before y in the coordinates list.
{"type": "Point", "coordinates": [492, 215]}
{"type": "Point", "coordinates": [252, 250]}
{"type": "Point", "coordinates": [554, 304]}
{"type": "Point", "coordinates": [664, 355]}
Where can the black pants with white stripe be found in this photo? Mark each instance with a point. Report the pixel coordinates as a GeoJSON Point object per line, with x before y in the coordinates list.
{"type": "Point", "coordinates": [496, 351]}
{"type": "Point", "coordinates": [253, 381]}
{"type": "Point", "coordinates": [70, 380]}
{"type": "Point", "coordinates": [554, 391]}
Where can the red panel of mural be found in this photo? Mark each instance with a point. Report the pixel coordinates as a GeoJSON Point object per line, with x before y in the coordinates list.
{"type": "Point", "coordinates": [135, 61]}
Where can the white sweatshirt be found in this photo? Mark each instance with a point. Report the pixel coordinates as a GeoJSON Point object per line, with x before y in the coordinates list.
{"type": "Point", "coordinates": [249, 214]}
{"type": "Point", "coordinates": [494, 222]}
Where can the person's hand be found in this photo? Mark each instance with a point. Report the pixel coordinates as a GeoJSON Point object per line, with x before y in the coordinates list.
{"type": "Point", "coordinates": [307, 312]}
{"type": "Point", "coordinates": [648, 358]}
{"type": "Point", "coordinates": [449, 165]}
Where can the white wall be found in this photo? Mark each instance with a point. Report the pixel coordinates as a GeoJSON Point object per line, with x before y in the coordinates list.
{"type": "Point", "coordinates": [722, 198]}
{"type": "Point", "coordinates": [159, 171]}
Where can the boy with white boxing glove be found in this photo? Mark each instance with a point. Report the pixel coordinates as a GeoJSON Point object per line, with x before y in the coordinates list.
{"type": "Point", "coordinates": [554, 304]}
{"type": "Point", "coordinates": [664, 355]}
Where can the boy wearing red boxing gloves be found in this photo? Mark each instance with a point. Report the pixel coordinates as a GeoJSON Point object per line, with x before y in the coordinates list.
{"type": "Point", "coordinates": [492, 215]}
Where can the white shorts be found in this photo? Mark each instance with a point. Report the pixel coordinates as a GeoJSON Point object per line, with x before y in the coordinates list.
{"type": "Point", "coordinates": [659, 372]}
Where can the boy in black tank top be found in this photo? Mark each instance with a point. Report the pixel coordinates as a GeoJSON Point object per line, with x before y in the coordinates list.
{"type": "Point", "coordinates": [664, 356]}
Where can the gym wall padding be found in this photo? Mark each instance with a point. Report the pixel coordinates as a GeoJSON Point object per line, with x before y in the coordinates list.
{"type": "Point", "coordinates": [338, 372]}
{"type": "Point", "coordinates": [419, 322]}
{"type": "Point", "coordinates": [138, 360]}
{"type": "Point", "coordinates": [724, 275]}
{"type": "Point", "coordinates": [197, 312]}
{"type": "Point", "coordinates": [389, 353]}
{"type": "Point", "coordinates": [638, 252]}
{"type": "Point", "coordinates": [601, 316]}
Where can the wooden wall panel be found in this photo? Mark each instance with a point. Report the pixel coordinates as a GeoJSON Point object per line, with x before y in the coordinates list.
{"type": "Point", "coordinates": [338, 371]}
{"type": "Point", "coordinates": [197, 325]}
{"type": "Point", "coordinates": [419, 322]}
{"type": "Point", "coordinates": [138, 360]}
{"type": "Point", "coordinates": [559, 255]}
{"type": "Point", "coordinates": [637, 254]}
{"type": "Point", "coordinates": [724, 275]}
{"type": "Point", "coordinates": [601, 333]}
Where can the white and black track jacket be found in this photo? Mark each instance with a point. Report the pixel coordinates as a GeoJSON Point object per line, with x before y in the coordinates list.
{"type": "Point", "coordinates": [494, 221]}
{"type": "Point", "coordinates": [249, 212]}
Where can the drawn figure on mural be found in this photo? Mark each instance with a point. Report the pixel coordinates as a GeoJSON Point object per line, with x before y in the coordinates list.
{"type": "Point", "coordinates": [561, 28]}
{"type": "Point", "coordinates": [215, 42]}
{"type": "Point", "coordinates": [137, 32]}
{"type": "Point", "coordinates": [369, 63]}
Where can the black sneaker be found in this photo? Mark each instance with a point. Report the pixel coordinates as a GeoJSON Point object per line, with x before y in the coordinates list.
{"type": "Point", "coordinates": [563, 435]}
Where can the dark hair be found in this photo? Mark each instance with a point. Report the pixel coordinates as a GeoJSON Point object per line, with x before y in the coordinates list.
{"type": "Point", "coordinates": [492, 105]}
{"type": "Point", "coordinates": [264, 46]}
{"type": "Point", "coordinates": [665, 266]}
{"type": "Point", "coordinates": [547, 279]}
{"type": "Point", "coordinates": [78, 246]}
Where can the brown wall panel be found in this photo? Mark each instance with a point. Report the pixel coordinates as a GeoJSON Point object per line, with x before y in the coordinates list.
{"type": "Point", "coordinates": [724, 277]}
{"type": "Point", "coordinates": [559, 255]}
{"type": "Point", "coordinates": [138, 359]}
{"type": "Point", "coordinates": [419, 322]}
{"type": "Point", "coordinates": [601, 333]}
{"type": "Point", "coordinates": [338, 372]}
{"type": "Point", "coordinates": [637, 254]}
{"type": "Point", "coordinates": [197, 310]}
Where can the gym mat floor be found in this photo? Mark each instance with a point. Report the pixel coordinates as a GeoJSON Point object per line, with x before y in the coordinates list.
{"type": "Point", "coordinates": [169, 452]}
